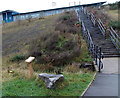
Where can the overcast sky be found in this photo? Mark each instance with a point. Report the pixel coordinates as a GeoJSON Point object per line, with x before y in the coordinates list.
{"type": "Point", "coordinates": [35, 5]}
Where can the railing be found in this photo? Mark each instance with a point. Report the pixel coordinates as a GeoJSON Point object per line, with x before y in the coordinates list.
{"type": "Point", "coordinates": [114, 38]}
{"type": "Point", "coordinates": [112, 34]}
{"type": "Point", "coordinates": [93, 49]}
{"type": "Point", "coordinates": [93, 19]}
{"type": "Point", "coordinates": [101, 27]}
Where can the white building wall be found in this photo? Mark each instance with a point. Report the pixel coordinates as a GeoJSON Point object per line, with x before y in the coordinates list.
{"type": "Point", "coordinates": [1, 18]}
{"type": "Point", "coordinates": [41, 14]}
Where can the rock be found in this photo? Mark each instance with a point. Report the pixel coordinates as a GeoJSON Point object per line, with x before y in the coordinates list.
{"type": "Point", "coordinates": [88, 65]}
{"type": "Point", "coordinates": [51, 79]}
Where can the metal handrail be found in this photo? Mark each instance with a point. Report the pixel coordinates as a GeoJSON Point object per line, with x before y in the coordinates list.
{"type": "Point", "coordinates": [113, 35]}
{"type": "Point", "coordinates": [101, 26]}
{"type": "Point", "coordinates": [114, 38]}
{"type": "Point", "coordinates": [94, 50]}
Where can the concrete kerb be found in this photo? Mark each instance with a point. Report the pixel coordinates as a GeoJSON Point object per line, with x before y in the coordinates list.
{"type": "Point", "coordinates": [91, 81]}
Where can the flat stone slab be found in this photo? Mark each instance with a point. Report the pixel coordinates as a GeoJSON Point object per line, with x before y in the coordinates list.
{"type": "Point", "coordinates": [51, 79]}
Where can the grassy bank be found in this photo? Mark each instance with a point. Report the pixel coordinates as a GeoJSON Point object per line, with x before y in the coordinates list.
{"type": "Point", "coordinates": [60, 48]}
{"type": "Point", "coordinates": [73, 85]}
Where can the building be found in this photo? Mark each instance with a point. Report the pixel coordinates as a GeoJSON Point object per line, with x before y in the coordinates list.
{"type": "Point", "coordinates": [7, 16]}
{"type": "Point", "coordinates": [1, 18]}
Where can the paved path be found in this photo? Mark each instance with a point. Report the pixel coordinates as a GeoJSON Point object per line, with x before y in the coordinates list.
{"type": "Point", "coordinates": [106, 83]}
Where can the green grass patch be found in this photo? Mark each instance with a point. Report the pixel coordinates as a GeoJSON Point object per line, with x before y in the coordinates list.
{"type": "Point", "coordinates": [73, 85]}
{"type": "Point", "coordinates": [115, 24]}
{"type": "Point", "coordinates": [17, 58]}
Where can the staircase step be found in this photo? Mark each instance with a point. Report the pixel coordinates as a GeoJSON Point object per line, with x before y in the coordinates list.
{"type": "Point", "coordinates": [107, 46]}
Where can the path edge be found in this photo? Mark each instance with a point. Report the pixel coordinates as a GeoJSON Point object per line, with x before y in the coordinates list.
{"type": "Point", "coordinates": [90, 82]}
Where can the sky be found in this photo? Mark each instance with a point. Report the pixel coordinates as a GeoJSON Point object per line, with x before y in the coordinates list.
{"type": "Point", "coordinates": [36, 5]}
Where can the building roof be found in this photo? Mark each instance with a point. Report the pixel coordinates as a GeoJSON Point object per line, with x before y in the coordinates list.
{"type": "Point", "coordinates": [13, 12]}
{"type": "Point", "coordinates": [85, 5]}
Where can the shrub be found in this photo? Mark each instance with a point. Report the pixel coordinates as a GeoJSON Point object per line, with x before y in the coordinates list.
{"type": "Point", "coordinates": [66, 17]}
{"type": "Point", "coordinates": [114, 6]}
{"type": "Point", "coordinates": [115, 24]}
{"type": "Point", "coordinates": [17, 58]}
{"type": "Point", "coordinates": [58, 49]}
{"type": "Point", "coordinates": [67, 25]}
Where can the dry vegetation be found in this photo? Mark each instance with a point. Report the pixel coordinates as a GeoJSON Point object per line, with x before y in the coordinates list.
{"type": "Point", "coordinates": [100, 14]}
{"type": "Point", "coordinates": [52, 44]}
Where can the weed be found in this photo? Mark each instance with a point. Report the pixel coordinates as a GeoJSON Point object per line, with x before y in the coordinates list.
{"type": "Point", "coordinates": [71, 69]}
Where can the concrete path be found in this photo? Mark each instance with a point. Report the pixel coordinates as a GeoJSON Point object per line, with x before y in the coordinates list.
{"type": "Point", "coordinates": [106, 82]}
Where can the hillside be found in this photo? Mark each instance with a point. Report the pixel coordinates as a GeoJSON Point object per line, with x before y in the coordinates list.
{"type": "Point", "coordinates": [18, 35]}
{"type": "Point", "coordinates": [58, 48]}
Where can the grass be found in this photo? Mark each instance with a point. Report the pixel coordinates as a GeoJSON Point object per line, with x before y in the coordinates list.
{"type": "Point", "coordinates": [17, 58]}
{"type": "Point", "coordinates": [113, 14]}
{"type": "Point", "coordinates": [73, 85]}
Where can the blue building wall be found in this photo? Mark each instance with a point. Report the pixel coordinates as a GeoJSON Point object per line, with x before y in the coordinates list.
{"type": "Point", "coordinates": [8, 15]}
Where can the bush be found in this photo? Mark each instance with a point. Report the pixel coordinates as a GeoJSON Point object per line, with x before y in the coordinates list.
{"type": "Point", "coordinates": [67, 22]}
{"type": "Point", "coordinates": [17, 58]}
{"type": "Point", "coordinates": [114, 6]}
{"type": "Point", "coordinates": [115, 24]}
{"type": "Point", "coordinates": [58, 49]}
{"type": "Point", "coordinates": [66, 17]}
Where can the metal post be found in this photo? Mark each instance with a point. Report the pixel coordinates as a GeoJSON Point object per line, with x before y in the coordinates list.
{"type": "Point", "coordinates": [96, 54]}
{"type": "Point", "coordinates": [99, 59]}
